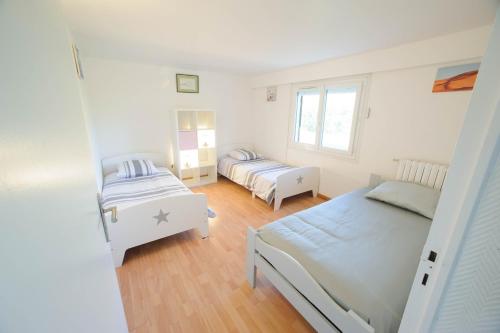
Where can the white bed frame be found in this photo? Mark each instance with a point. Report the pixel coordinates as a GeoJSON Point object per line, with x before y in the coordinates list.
{"type": "Point", "coordinates": [293, 182]}
{"type": "Point", "coordinates": [135, 225]}
{"type": "Point", "coordinates": [300, 288]}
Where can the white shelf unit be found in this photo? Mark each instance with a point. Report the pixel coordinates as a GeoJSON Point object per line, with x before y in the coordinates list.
{"type": "Point", "coordinates": [195, 153]}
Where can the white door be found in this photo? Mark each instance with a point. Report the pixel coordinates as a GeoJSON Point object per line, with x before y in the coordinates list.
{"type": "Point", "coordinates": [56, 271]}
{"type": "Point", "coordinates": [465, 187]}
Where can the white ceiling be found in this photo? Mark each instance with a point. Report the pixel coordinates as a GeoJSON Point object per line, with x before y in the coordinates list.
{"type": "Point", "coordinates": [260, 35]}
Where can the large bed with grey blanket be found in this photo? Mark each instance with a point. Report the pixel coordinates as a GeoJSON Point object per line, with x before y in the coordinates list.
{"type": "Point", "coordinates": [349, 264]}
{"type": "Point", "coordinates": [362, 252]}
{"type": "Point", "coordinates": [270, 180]}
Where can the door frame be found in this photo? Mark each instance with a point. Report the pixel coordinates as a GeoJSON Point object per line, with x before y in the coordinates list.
{"type": "Point", "coordinates": [468, 171]}
{"type": "Point", "coordinates": [430, 300]}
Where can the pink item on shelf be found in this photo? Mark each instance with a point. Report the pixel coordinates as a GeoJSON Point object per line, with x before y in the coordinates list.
{"type": "Point", "coordinates": [188, 140]}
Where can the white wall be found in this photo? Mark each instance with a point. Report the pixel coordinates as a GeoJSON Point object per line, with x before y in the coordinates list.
{"type": "Point", "coordinates": [406, 121]}
{"type": "Point", "coordinates": [57, 274]}
{"type": "Point", "coordinates": [91, 132]}
{"type": "Point", "coordinates": [467, 44]}
{"type": "Point", "coordinates": [130, 104]}
{"type": "Point", "coordinates": [130, 107]}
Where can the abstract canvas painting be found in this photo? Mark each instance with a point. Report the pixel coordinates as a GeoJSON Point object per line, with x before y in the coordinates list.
{"type": "Point", "coordinates": [456, 78]}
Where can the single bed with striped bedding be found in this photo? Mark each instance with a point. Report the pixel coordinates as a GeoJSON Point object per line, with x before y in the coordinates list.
{"type": "Point", "coordinates": [257, 175]}
{"type": "Point", "coordinates": [126, 192]}
{"type": "Point", "coordinates": [146, 204]}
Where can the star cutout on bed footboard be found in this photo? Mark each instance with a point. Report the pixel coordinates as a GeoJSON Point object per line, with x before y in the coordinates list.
{"type": "Point", "coordinates": [161, 217]}
{"type": "Point", "coordinates": [299, 180]}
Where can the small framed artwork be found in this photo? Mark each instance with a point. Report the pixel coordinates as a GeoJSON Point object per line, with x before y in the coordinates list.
{"type": "Point", "coordinates": [187, 83]}
{"type": "Point", "coordinates": [456, 78]}
{"type": "Point", "coordinates": [271, 94]}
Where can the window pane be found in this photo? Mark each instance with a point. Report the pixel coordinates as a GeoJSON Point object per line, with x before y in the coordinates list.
{"type": "Point", "coordinates": [306, 117]}
{"type": "Point", "coordinates": [339, 112]}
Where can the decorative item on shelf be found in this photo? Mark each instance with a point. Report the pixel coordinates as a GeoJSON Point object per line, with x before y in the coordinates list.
{"type": "Point", "coordinates": [206, 138]}
{"type": "Point", "coordinates": [189, 158]}
{"type": "Point", "coordinates": [271, 94]}
{"type": "Point", "coordinates": [456, 78]}
{"type": "Point", "coordinates": [188, 140]}
{"type": "Point", "coordinates": [187, 83]}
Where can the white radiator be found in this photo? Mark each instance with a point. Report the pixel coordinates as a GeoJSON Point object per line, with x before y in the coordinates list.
{"type": "Point", "coordinates": [421, 172]}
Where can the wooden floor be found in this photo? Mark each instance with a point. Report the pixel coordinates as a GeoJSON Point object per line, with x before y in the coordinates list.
{"type": "Point", "coordinates": [186, 284]}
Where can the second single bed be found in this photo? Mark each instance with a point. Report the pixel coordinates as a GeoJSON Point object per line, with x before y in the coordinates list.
{"type": "Point", "coordinates": [268, 179]}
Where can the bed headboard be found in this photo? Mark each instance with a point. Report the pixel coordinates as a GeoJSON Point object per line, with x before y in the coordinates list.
{"type": "Point", "coordinates": [109, 164]}
{"type": "Point", "coordinates": [422, 172]}
{"type": "Point", "coordinates": [223, 150]}
{"type": "Point", "coordinates": [418, 172]}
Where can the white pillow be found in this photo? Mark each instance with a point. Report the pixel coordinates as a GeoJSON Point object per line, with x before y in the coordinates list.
{"type": "Point", "coordinates": [243, 154]}
{"type": "Point", "coordinates": [417, 198]}
{"type": "Point", "coordinates": [136, 168]}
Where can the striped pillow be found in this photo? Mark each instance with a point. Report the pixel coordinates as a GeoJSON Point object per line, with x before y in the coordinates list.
{"type": "Point", "coordinates": [243, 155]}
{"type": "Point", "coordinates": [136, 168]}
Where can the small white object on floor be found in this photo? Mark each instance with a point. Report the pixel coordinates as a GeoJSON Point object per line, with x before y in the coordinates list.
{"type": "Point", "coordinates": [211, 213]}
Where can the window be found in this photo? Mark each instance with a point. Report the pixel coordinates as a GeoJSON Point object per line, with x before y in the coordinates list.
{"type": "Point", "coordinates": [340, 106]}
{"type": "Point", "coordinates": [307, 116]}
{"type": "Point", "coordinates": [325, 116]}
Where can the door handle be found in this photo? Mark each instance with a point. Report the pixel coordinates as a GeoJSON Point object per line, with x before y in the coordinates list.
{"type": "Point", "coordinates": [113, 213]}
{"type": "Point", "coordinates": [107, 210]}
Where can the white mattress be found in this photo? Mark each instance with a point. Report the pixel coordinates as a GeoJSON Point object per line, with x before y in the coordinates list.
{"type": "Point", "coordinates": [364, 253]}
{"type": "Point", "coordinates": [257, 175]}
{"type": "Point", "coordinates": [127, 192]}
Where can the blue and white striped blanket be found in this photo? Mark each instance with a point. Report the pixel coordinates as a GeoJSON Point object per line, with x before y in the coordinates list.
{"type": "Point", "coordinates": [257, 175]}
{"type": "Point", "coordinates": [126, 192]}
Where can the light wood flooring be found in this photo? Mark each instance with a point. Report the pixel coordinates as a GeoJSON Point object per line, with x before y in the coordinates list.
{"type": "Point", "coordinates": [183, 283]}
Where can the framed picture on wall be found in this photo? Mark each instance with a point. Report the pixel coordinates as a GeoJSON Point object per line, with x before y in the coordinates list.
{"type": "Point", "coordinates": [187, 83]}
{"type": "Point", "coordinates": [456, 78]}
{"type": "Point", "coordinates": [271, 94]}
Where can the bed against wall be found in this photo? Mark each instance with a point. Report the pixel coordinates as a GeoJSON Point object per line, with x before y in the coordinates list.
{"type": "Point", "coordinates": [136, 221]}
{"type": "Point", "coordinates": [329, 261]}
{"type": "Point", "coordinates": [267, 179]}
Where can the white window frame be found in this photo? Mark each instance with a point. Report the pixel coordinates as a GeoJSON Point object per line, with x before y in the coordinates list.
{"type": "Point", "coordinates": [295, 123]}
{"type": "Point", "coordinates": [322, 86]}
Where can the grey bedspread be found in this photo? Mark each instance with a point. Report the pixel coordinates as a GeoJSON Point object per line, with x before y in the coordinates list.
{"type": "Point", "coordinates": [364, 253]}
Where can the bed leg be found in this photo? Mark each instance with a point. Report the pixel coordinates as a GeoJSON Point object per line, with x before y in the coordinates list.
{"type": "Point", "coordinates": [253, 195]}
{"type": "Point", "coordinates": [277, 203]}
{"type": "Point", "coordinates": [250, 262]}
{"type": "Point", "coordinates": [203, 229]}
{"type": "Point", "coordinates": [118, 256]}
{"type": "Point", "coordinates": [315, 192]}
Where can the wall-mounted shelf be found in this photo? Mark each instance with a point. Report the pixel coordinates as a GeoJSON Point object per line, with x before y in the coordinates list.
{"type": "Point", "coordinates": [196, 154]}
